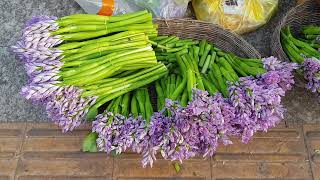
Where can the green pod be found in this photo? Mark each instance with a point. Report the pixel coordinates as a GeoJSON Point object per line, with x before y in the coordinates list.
{"type": "Point", "coordinates": [173, 41]}
{"type": "Point", "coordinates": [206, 64]}
{"type": "Point", "coordinates": [253, 64]}
{"type": "Point", "coordinates": [311, 29]}
{"type": "Point", "coordinates": [227, 75]}
{"type": "Point", "coordinates": [163, 86]}
{"type": "Point", "coordinates": [134, 106]}
{"type": "Point", "coordinates": [221, 82]}
{"type": "Point", "coordinates": [159, 38]}
{"type": "Point", "coordinates": [204, 55]}
{"type": "Point", "coordinates": [172, 50]}
{"type": "Point", "coordinates": [116, 105]}
{"type": "Point", "coordinates": [179, 90]}
{"type": "Point", "coordinates": [213, 57]}
{"type": "Point", "coordinates": [235, 66]}
{"type": "Point", "coordinates": [228, 68]}
{"type": "Point", "coordinates": [178, 80]}
{"type": "Point", "coordinates": [251, 70]}
{"type": "Point", "coordinates": [202, 45]}
{"type": "Point", "coordinates": [194, 67]}
{"type": "Point", "coordinates": [191, 52]}
{"type": "Point", "coordinates": [294, 56]}
{"type": "Point", "coordinates": [184, 98]}
{"type": "Point", "coordinates": [209, 87]}
{"type": "Point", "coordinates": [190, 83]}
{"type": "Point", "coordinates": [196, 50]}
{"type": "Point", "coordinates": [148, 106]}
{"type": "Point", "coordinates": [110, 105]}
{"type": "Point", "coordinates": [125, 104]}
{"type": "Point", "coordinates": [160, 96]}
{"type": "Point", "coordinates": [214, 80]}
{"type": "Point", "coordinates": [172, 83]}
{"type": "Point", "coordinates": [164, 41]}
{"type": "Point", "coordinates": [182, 43]}
{"type": "Point", "coordinates": [141, 101]}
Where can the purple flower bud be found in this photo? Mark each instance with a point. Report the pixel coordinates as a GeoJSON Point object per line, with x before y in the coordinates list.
{"type": "Point", "coordinates": [61, 107]}
{"type": "Point", "coordinates": [311, 67]}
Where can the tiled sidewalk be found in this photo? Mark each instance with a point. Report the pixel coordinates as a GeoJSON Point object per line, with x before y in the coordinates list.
{"type": "Point", "coordinates": [32, 151]}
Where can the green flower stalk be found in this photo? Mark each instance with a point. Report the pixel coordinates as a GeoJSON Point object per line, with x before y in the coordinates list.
{"type": "Point", "coordinates": [110, 92]}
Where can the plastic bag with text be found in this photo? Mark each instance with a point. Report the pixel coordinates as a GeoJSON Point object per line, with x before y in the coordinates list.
{"type": "Point", "coordinates": [240, 16]}
{"type": "Point", "coordinates": [159, 8]}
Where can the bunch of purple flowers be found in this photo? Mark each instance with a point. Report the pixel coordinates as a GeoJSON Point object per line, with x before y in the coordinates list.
{"type": "Point", "coordinates": [64, 104]}
{"type": "Point", "coordinates": [311, 67]}
{"type": "Point", "coordinates": [41, 61]}
{"type": "Point", "coordinates": [179, 133]}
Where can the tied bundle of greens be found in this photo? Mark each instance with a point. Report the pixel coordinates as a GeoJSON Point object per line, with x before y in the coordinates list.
{"type": "Point", "coordinates": [79, 63]}
{"type": "Point", "coordinates": [304, 50]}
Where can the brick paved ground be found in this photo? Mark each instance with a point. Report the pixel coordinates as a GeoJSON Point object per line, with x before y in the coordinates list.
{"type": "Point", "coordinates": [32, 151]}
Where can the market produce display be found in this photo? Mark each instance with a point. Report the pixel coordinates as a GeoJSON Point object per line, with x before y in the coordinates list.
{"type": "Point", "coordinates": [145, 92]}
{"type": "Point", "coordinates": [304, 50]}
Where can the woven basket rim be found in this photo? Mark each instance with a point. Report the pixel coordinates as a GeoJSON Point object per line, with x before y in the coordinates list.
{"type": "Point", "coordinates": [253, 52]}
{"type": "Point", "coordinates": [276, 46]}
{"type": "Point", "coordinates": [303, 14]}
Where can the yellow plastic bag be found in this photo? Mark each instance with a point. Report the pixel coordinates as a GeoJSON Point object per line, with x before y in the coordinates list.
{"type": "Point", "coordinates": [240, 16]}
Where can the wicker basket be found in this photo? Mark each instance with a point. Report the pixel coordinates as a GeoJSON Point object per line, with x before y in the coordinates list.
{"type": "Point", "coordinates": [223, 39]}
{"type": "Point", "coordinates": [304, 14]}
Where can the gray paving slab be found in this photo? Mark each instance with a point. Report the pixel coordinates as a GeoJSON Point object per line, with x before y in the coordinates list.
{"type": "Point", "coordinates": [14, 14]}
{"type": "Point", "coordinates": [13, 107]}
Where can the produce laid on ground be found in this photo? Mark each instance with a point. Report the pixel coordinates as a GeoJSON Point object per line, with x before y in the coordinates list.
{"type": "Point", "coordinates": [304, 50]}
{"type": "Point", "coordinates": [145, 92]}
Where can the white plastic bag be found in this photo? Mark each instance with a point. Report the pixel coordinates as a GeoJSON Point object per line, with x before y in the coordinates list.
{"type": "Point", "coordinates": [159, 8]}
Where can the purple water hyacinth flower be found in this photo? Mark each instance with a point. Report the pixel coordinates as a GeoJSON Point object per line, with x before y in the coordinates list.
{"type": "Point", "coordinates": [67, 108]}
{"type": "Point", "coordinates": [36, 34]}
{"type": "Point", "coordinates": [311, 67]}
{"type": "Point", "coordinates": [38, 54]}
{"type": "Point", "coordinates": [36, 41]}
{"type": "Point", "coordinates": [211, 125]}
{"type": "Point", "coordinates": [109, 132]}
{"type": "Point", "coordinates": [278, 72]}
{"type": "Point", "coordinates": [39, 93]}
{"type": "Point", "coordinates": [40, 24]}
{"type": "Point", "coordinates": [163, 136]}
{"type": "Point", "coordinates": [228, 113]}
{"type": "Point", "coordinates": [258, 105]}
{"type": "Point", "coordinates": [271, 63]}
{"type": "Point", "coordinates": [36, 68]}
{"type": "Point", "coordinates": [45, 77]}
{"type": "Point", "coordinates": [154, 138]}
{"type": "Point", "coordinates": [43, 82]}
{"type": "Point", "coordinates": [202, 124]}
{"type": "Point", "coordinates": [120, 133]}
{"type": "Point", "coordinates": [38, 19]}
{"type": "Point", "coordinates": [135, 130]}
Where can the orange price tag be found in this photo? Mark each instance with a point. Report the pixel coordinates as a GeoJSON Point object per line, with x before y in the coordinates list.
{"type": "Point", "coordinates": [107, 8]}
